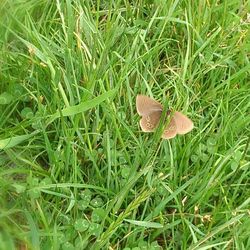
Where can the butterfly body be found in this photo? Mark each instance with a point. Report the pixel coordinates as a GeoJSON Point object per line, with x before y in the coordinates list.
{"type": "Point", "coordinates": [151, 112]}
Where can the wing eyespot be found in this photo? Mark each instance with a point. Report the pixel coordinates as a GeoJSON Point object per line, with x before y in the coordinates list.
{"type": "Point", "coordinates": [149, 125]}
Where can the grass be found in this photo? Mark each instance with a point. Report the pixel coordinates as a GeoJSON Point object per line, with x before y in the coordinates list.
{"type": "Point", "coordinates": [76, 172]}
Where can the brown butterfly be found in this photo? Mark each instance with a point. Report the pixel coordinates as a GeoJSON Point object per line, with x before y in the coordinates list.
{"type": "Point", "coordinates": [151, 111]}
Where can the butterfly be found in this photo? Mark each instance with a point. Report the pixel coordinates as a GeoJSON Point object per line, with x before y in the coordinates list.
{"type": "Point", "coordinates": [151, 111]}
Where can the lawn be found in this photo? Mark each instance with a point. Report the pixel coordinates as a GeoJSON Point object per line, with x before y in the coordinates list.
{"type": "Point", "coordinates": [77, 171]}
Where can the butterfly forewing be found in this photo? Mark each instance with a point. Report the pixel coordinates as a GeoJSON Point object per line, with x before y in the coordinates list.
{"type": "Point", "coordinates": [146, 105]}
{"type": "Point", "coordinates": [149, 122]}
{"type": "Point", "coordinates": [183, 123]}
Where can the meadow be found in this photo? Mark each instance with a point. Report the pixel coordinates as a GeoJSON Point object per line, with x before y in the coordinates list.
{"type": "Point", "coordinates": [76, 170]}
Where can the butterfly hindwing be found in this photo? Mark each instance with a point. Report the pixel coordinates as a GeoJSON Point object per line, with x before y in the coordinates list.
{"type": "Point", "coordinates": [170, 131]}
{"type": "Point", "coordinates": [149, 122]}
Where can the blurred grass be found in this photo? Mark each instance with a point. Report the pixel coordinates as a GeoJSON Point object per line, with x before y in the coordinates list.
{"type": "Point", "coordinates": [76, 172]}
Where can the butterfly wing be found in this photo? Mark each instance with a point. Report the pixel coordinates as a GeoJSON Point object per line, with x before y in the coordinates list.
{"type": "Point", "coordinates": [150, 121]}
{"type": "Point", "coordinates": [183, 123]}
{"type": "Point", "coordinates": [171, 130]}
{"type": "Point", "coordinates": [146, 105]}
{"type": "Point", "coordinates": [151, 110]}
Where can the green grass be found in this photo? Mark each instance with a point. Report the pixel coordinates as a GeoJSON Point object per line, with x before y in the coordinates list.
{"type": "Point", "coordinates": [76, 171]}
